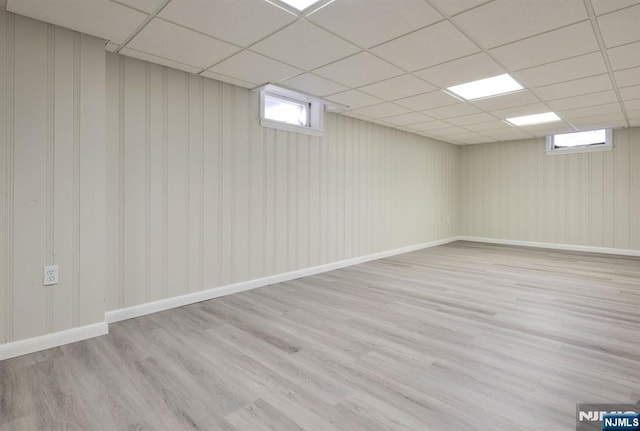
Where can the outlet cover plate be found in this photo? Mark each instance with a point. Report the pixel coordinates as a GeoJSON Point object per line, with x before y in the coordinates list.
{"type": "Point", "coordinates": [50, 275]}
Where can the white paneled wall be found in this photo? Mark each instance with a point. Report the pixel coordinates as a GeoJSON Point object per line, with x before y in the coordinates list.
{"type": "Point", "coordinates": [514, 191]}
{"type": "Point", "coordinates": [199, 195]}
{"type": "Point", "coordinates": [52, 177]}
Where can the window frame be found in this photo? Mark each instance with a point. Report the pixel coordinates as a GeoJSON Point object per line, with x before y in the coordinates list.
{"type": "Point", "coordinates": [551, 149]}
{"type": "Point", "coordinates": [315, 125]}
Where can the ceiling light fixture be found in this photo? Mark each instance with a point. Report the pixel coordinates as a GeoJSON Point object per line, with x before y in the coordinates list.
{"type": "Point", "coordinates": [546, 117]}
{"type": "Point", "coordinates": [300, 4]}
{"type": "Point", "coordinates": [488, 87]}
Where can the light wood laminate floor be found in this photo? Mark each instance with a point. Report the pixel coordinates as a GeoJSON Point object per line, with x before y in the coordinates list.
{"type": "Point", "coordinates": [458, 337]}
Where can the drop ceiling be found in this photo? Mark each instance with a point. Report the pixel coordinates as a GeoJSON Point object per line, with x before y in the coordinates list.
{"type": "Point", "coordinates": [389, 60]}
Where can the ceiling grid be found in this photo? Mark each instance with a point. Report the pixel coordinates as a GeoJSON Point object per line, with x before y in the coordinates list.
{"type": "Point", "coordinates": [389, 61]}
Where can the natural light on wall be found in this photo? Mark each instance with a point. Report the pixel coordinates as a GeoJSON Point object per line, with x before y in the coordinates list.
{"type": "Point", "coordinates": [487, 87]}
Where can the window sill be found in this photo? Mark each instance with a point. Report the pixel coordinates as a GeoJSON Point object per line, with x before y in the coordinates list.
{"type": "Point", "coordinates": [292, 128]}
{"type": "Point", "coordinates": [576, 150]}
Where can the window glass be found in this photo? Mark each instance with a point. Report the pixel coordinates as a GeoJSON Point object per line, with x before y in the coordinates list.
{"type": "Point", "coordinates": [286, 111]}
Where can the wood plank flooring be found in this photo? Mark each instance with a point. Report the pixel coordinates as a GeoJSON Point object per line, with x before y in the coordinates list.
{"type": "Point", "coordinates": [463, 336]}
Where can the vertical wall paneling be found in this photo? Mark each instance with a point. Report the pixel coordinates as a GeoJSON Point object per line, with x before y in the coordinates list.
{"type": "Point", "coordinates": [120, 204]}
{"type": "Point", "coordinates": [244, 202]}
{"type": "Point", "coordinates": [49, 172]}
{"type": "Point", "coordinates": [92, 180]}
{"type": "Point", "coordinates": [75, 168]}
{"type": "Point", "coordinates": [165, 183]}
{"type": "Point", "coordinates": [52, 159]}
{"type": "Point", "coordinates": [63, 180]}
{"type": "Point", "coordinates": [514, 191]}
{"type": "Point", "coordinates": [155, 184]}
{"type": "Point", "coordinates": [30, 86]}
{"type": "Point", "coordinates": [7, 55]}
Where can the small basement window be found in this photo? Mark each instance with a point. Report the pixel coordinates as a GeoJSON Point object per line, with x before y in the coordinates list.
{"type": "Point", "coordinates": [286, 111]}
{"type": "Point", "coordinates": [289, 110]}
{"type": "Point", "coordinates": [578, 142]}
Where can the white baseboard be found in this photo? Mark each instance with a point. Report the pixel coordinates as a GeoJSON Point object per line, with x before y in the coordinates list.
{"type": "Point", "coordinates": [569, 247]}
{"type": "Point", "coordinates": [43, 342]}
{"type": "Point", "coordinates": [48, 341]}
{"type": "Point", "coordinates": [191, 298]}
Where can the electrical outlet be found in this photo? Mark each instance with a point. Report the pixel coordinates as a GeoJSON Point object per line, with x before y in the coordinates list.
{"type": "Point", "coordinates": [50, 275]}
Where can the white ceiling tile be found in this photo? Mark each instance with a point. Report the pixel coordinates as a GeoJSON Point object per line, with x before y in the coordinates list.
{"type": "Point", "coordinates": [596, 123]}
{"type": "Point", "coordinates": [590, 111]}
{"type": "Point", "coordinates": [625, 56]}
{"type": "Point", "coordinates": [485, 142]}
{"type": "Point", "coordinates": [632, 105]}
{"type": "Point", "coordinates": [450, 111]}
{"type": "Point", "coordinates": [228, 79]}
{"type": "Point", "coordinates": [602, 121]}
{"type": "Point", "coordinates": [452, 7]}
{"type": "Point", "coordinates": [480, 140]}
{"type": "Point", "coordinates": [604, 6]}
{"type": "Point", "coordinates": [406, 119]}
{"type": "Point", "coordinates": [577, 87]}
{"type": "Point", "coordinates": [470, 138]}
{"type": "Point", "coordinates": [452, 130]}
{"type": "Point", "coordinates": [592, 99]}
{"type": "Point", "coordinates": [620, 27]}
{"type": "Point", "coordinates": [518, 19]}
{"type": "Point", "coordinates": [304, 45]}
{"type": "Point", "coordinates": [158, 60]}
{"type": "Point", "coordinates": [424, 101]}
{"type": "Point", "coordinates": [465, 120]}
{"type": "Point", "coordinates": [170, 41]}
{"type": "Point", "coordinates": [368, 23]}
{"type": "Point", "coordinates": [355, 115]}
{"type": "Point", "coordinates": [432, 45]}
{"type": "Point", "coordinates": [518, 111]}
{"type": "Point", "coordinates": [314, 85]}
{"type": "Point", "coordinates": [398, 87]}
{"type": "Point", "coordinates": [466, 69]}
{"type": "Point", "coordinates": [381, 111]}
{"type": "Point", "coordinates": [635, 120]}
{"type": "Point", "coordinates": [354, 99]}
{"type": "Point", "coordinates": [556, 45]}
{"type": "Point", "coordinates": [429, 125]}
{"type": "Point", "coordinates": [149, 6]}
{"type": "Point", "coordinates": [101, 18]}
{"type": "Point", "coordinates": [489, 126]}
{"type": "Point", "coordinates": [540, 130]}
{"type": "Point", "coordinates": [563, 70]}
{"type": "Point", "coordinates": [630, 93]}
{"type": "Point", "coordinates": [628, 77]}
{"type": "Point", "coordinates": [512, 134]}
{"type": "Point", "coordinates": [358, 70]}
{"type": "Point", "coordinates": [252, 67]}
{"type": "Point", "coordinates": [506, 101]}
{"type": "Point", "coordinates": [239, 21]}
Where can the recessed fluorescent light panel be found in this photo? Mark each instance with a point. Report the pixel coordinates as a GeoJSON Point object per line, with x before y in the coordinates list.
{"type": "Point", "coordinates": [300, 4]}
{"type": "Point", "coordinates": [487, 87]}
{"type": "Point", "coordinates": [527, 120]}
